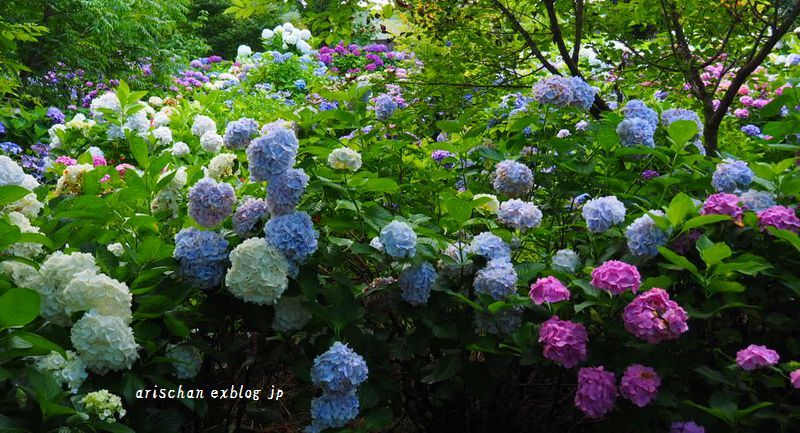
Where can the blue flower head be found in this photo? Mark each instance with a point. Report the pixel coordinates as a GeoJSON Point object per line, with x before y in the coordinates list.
{"type": "Point", "coordinates": [644, 237]}
{"type": "Point", "coordinates": [490, 246]}
{"type": "Point", "coordinates": [519, 215]}
{"type": "Point", "coordinates": [333, 410]}
{"type": "Point", "coordinates": [399, 240]}
{"type": "Point", "coordinates": [637, 109]}
{"type": "Point", "coordinates": [285, 190]}
{"type": "Point", "coordinates": [416, 283]}
{"type": "Point", "coordinates": [339, 369]}
{"type": "Point", "coordinates": [248, 215]}
{"type": "Point", "coordinates": [731, 176]}
{"type": "Point", "coordinates": [272, 154]}
{"type": "Point", "coordinates": [300, 84]}
{"type": "Point", "coordinates": [602, 213]}
{"type": "Point", "coordinates": [202, 256]}
{"type": "Point", "coordinates": [675, 114]}
{"type": "Point", "coordinates": [238, 133]}
{"type": "Point", "coordinates": [55, 115]}
{"type": "Point", "coordinates": [512, 179]}
{"type": "Point", "coordinates": [582, 93]}
{"type": "Point", "coordinates": [757, 201]}
{"type": "Point", "coordinates": [635, 131]}
{"type": "Point", "coordinates": [498, 279]}
{"type": "Point", "coordinates": [385, 106]}
{"type": "Point", "coordinates": [210, 202]}
{"type": "Point", "coordinates": [554, 90]}
{"type": "Point", "coordinates": [293, 235]}
{"type": "Point", "coordinates": [751, 130]}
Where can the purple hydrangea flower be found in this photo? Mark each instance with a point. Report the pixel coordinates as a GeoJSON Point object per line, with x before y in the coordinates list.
{"type": "Point", "coordinates": [751, 130]}
{"type": "Point", "coordinates": [439, 155]}
{"type": "Point", "coordinates": [597, 391]}
{"type": "Point", "coordinates": [512, 179]}
{"type": "Point", "coordinates": [653, 317]}
{"type": "Point", "coordinates": [416, 283]}
{"type": "Point", "coordinates": [55, 115]}
{"type": "Point", "coordinates": [548, 289]}
{"type": "Point", "coordinates": [285, 190]}
{"type": "Point", "coordinates": [563, 342]}
{"type": "Point", "coordinates": [756, 356]}
{"type": "Point", "coordinates": [795, 378]}
{"type": "Point", "coordinates": [339, 369]}
{"type": "Point", "coordinates": [639, 384]}
{"type": "Point", "coordinates": [650, 174]}
{"type": "Point", "coordinates": [780, 217]}
{"type": "Point", "coordinates": [202, 256]}
{"type": "Point", "coordinates": [616, 277]}
{"type": "Point", "coordinates": [686, 427]}
{"type": "Point", "coordinates": [10, 148]}
{"type": "Point", "coordinates": [498, 279]}
{"type": "Point", "coordinates": [248, 215]}
{"type": "Point", "coordinates": [210, 202]}
{"type": "Point", "coordinates": [722, 204]}
{"type": "Point", "coordinates": [272, 154]}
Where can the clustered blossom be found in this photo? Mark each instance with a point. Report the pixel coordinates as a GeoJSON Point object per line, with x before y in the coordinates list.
{"type": "Point", "coordinates": [731, 176]}
{"type": "Point", "coordinates": [210, 202]}
{"type": "Point", "coordinates": [756, 356]}
{"type": "Point", "coordinates": [490, 246]}
{"type": "Point", "coordinates": [639, 384]}
{"type": "Point", "coordinates": [272, 154]}
{"type": "Point", "coordinates": [104, 342]}
{"type": "Point", "coordinates": [88, 290]}
{"type": "Point", "coordinates": [602, 213]}
{"type": "Point", "coordinates": [221, 166]}
{"type": "Point", "coordinates": [338, 371]}
{"type": "Point", "coordinates": [795, 378]}
{"type": "Point", "coordinates": [512, 179]}
{"type": "Point", "coordinates": [69, 371]}
{"type": "Point", "coordinates": [202, 256]}
{"type": "Point", "coordinates": [238, 133]}
{"type": "Point", "coordinates": [722, 204]}
{"type": "Point", "coordinates": [399, 240]}
{"type": "Point", "coordinates": [202, 125]}
{"type": "Point", "coordinates": [779, 217]}
{"type": "Point", "coordinates": [258, 272]}
{"type": "Point", "coordinates": [248, 215]}
{"type": "Point", "coordinates": [285, 190]}
{"type": "Point", "coordinates": [294, 236]}
{"type": "Point", "coordinates": [548, 289]}
{"type": "Point", "coordinates": [290, 314]}
{"type": "Point", "coordinates": [553, 90]}
{"type": "Point", "coordinates": [686, 427]}
{"type": "Point", "coordinates": [616, 277]}
{"type": "Point", "coordinates": [519, 214]}
{"type": "Point", "coordinates": [644, 236]}
{"type": "Point", "coordinates": [757, 201]}
{"type": "Point", "coordinates": [638, 109]}
{"type": "Point", "coordinates": [344, 158]}
{"type": "Point", "coordinates": [186, 360]}
{"type": "Point", "coordinates": [636, 131]}
{"type": "Point", "coordinates": [333, 410]}
{"type": "Point", "coordinates": [416, 283]}
{"type": "Point", "coordinates": [384, 106]}
{"type": "Point", "coordinates": [498, 279]}
{"type": "Point", "coordinates": [103, 405]}
{"type": "Point", "coordinates": [597, 391]}
{"type": "Point", "coordinates": [654, 317]}
{"type": "Point", "coordinates": [563, 341]}
{"type": "Point", "coordinates": [565, 260]}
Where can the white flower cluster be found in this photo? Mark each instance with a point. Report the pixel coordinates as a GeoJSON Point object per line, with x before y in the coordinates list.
{"type": "Point", "coordinates": [23, 249]}
{"type": "Point", "coordinates": [258, 272]}
{"type": "Point", "coordinates": [88, 290]}
{"type": "Point", "coordinates": [168, 199]}
{"type": "Point", "coordinates": [108, 101]}
{"type": "Point", "coordinates": [53, 276]}
{"type": "Point", "coordinates": [163, 135]}
{"type": "Point", "coordinates": [11, 174]}
{"type": "Point", "coordinates": [103, 405]}
{"type": "Point", "coordinates": [203, 124]}
{"type": "Point", "coordinates": [69, 371]}
{"type": "Point", "coordinates": [221, 166]}
{"type": "Point", "coordinates": [104, 342]}
{"type": "Point", "coordinates": [344, 158]}
{"type": "Point", "coordinates": [71, 181]}
{"type": "Point", "coordinates": [180, 148]}
{"type": "Point", "coordinates": [187, 361]}
{"type": "Point", "coordinates": [289, 35]}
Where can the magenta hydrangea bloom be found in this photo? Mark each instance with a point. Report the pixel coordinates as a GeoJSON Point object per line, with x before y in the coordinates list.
{"type": "Point", "coordinates": [755, 356]}
{"type": "Point", "coordinates": [795, 378]}
{"type": "Point", "coordinates": [653, 317]}
{"type": "Point", "coordinates": [686, 427]}
{"type": "Point", "coordinates": [616, 277]}
{"type": "Point", "coordinates": [722, 204]}
{"type": "Point", "coordinates": [597, 391]}
{"type": "Point", "coordinates": [780, 217]}
{"type": "Point", "coordinates": [548, 289]}
{"type": "Point", "coordinates": [639, 384]}
{"type": "Point", "coordinates": [564, 342]}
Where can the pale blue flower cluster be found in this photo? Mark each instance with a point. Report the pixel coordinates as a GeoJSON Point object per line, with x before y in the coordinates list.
{"type": "Point", "coordinates": [512, 179]}
{"type": "Point", "coordinates": [498, 279]}
{"type": "Point", "coordinates": [399, 240]}
{"type": "Point", "coordinates": [272, 154]}
{"type": "Point", "coordinates": [293, 235]}
{"type": "Point", "coordinates": [757, 201]}
{"type": "Point", "coordinates": [332, 410]}
{"type": "Point", "coordinates": [385, 106]}
{"type": "Point", "coordinates": [553, 90]}
{"type": "Point", "coordinates": [731, 176]}
{"type": "Point", "coordinates": [202, 256]}
{"type": "Point", "coordinates": [602, 213]}
{"type": "Point", "coordinates": [519, 214]}
{"type": "Point", "coordinates": [644, 236]}
{"type": "Point", "coordinates": [490, 246]}
{"type": "Point", "coordinates": [416, 283]}
{"type": "Point", "coordinates": [210, 202]}
{"type": "Point", "coordinates": [636, 131]}
{"type": "Point", "coordinates": [338, 371]}
{"type": "Point", "coordinates": [582, 93]}
{"type": "Point", "coordinates": [638, 109]}
{"type": "Point", "coordinates": [565, 260]}
{"type": "Point", "coordinates": [238, 133]}
{"type": "Point", "coordinates": [285, 190]}
{"type": "Point", "coordinates": [247, 217]}
{"type": "Point", "coordinates": [674, 114]}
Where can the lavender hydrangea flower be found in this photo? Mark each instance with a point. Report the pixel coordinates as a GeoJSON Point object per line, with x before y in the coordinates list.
{"type": "Point", "coordinates": [548, 289]}
{"type": "Point", "coordinates": [616, 277]}
{"type": "Point", "coordinates": [731, 176]}
{"type": "Point", "coordinates": [416, 283]}
{"type": "Point", "coordinates": [757, 201]}
{"type": "Point", "coordinates": [582, 93]}
{"type": "Point", "coordinates": [202, 256]}
{"type": "Point", "coordinates": [794, 378]}
{"type": "Point", "coordinates": [780, 217]}
{"type": "Point", "coordinates": [644, 236]}
{"type": "Point", "coordinates": [385, 106]}
{"type": "Point", "coordinates": [722, 204]}
{"type": "Point", "coordinates": [210, 202]}
{"type": "Point", "coordinates": [603, 212]}
{"type": "Point", "coordinates": [554, 90]}
{"type": "Point", "coordinates": [339, 369]}
{"type": "Point", "coordinates": [248, 215]}
{"type": "Point", "coordinates": [238, 133]}
{"type": "Point", "coordinates": [498, 279]}
{"type": "Point", "coordinates": [490, 246]}
{"type": "Point", "coordinates": [55, 115]}
{"type": "Point", "coordinates": [653, 317]}
{"type": "Point", "coordinates": [597, 391]}
{"type": "Point", "coordinates": [293, 235]}
{"type": "Point", "coordinates": [636, 131]}
{"type": "Point", "coordinates": [285, 190]}
{"type": "Point", "coordinates": [638, 109]}
{"type": "Point", "coordinates": [650, 174]}
{"type": "Point", "coordinates": [519, 215]}
{"type": "Point", "coordinates": [563, 342]}
{"type": "Point", "coordinates": [686, 427]}
{"type": "Point", "coordinates": [333, 410]}
{"type": "Point", "coordinates": [512, 179]}
{"type": "Point", "coordinates": [639, 384]}
{"type": "Point", "coordinates": [756, 356]}
{"type": "Point", "coordinates": [751, 130]}
{"type": "Point", "coordinates": [272, 154]}
{"type": "Point", "coordinates": [399, 240]}
{"type": "Point", "coordinates": [440, 155]}
{"type": "Point", "coordinates": [565, 260]}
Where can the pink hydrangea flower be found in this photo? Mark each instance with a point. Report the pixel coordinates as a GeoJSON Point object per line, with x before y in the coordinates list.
{"type": "Point", "coordinates": [616, 277]}
{"type": "Point", "coordinates": [686, 427]}
{"type": "Point", "coordinates": [639, 384]}
{"type": "Point", "coordinates": [653, 317]}
{"type": "Point", "coordinates": [105, 179]}
{"type": "Point", "coordinates": [755, 356]}
{"type": "Point", "coordinates": [122, 168]}
{"type": "Point", "coordinates": [548, 289]}
{"type": "Point", "coordinates": [780, 217]}
{"type": "Point", "coordinates": [564, 342]}
{"type": "Point", "coordinates": [98, 160]}
{"type": "Point", "coordinates": [63, 159]}
{"type": "Point", "coordinates": [795, 378]}
{"type": "Point", "coordinates": [741, 113]}
{"type": "Point", "coordinates": [722, 204]}
{"type": "Point", "coordinates": [597, 391]}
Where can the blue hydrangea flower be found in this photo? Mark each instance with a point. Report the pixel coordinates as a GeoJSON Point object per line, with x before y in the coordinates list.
{"type": "Point", "coordinates": [751, 130]}
{"type": "Point", "coordinates": [238, 133]}
{"type": "Point", "coordinates": [603, 212]}
{"type": "Point", "coordinates": [519, 214]}
{"type": "Point", "coordinates": [2, 128]}
{"type": "Point", "coordinates": [636, 131]}
{"type": "Point", "coordinates": [210, 202]}
{"type": "Point", "coordinates": [498, 279]}
{"type": "Point", "coordinates": [385, 106]}
{"type": "Point", "coordinates": [416, 283]}
{"type": "Point", "coordinates": [10, 148]}
{"type": "Point", "coordinates": [272, 154]}
{"type": "Point", "coordinates": [293, 235]}
{"type": "Point", "coordinates": [501, 322]}
{"type": "Point", "coordinates": [248, 215]}
{"type": "Point", "coordinates": [339, 369]}
{"type": "Point", "coordinates": [300, 84]}
{"type": "Point", "coordinates": [490, 246]}
{"type": "Point", "coordinates": [333, 410]}
{"type": "Point", "coordinates": [582, 93]}
{"type": "Point", "coordinates": [675, 114]}
{"type": "Point", "coordinates": [285, 190]}
{"type": "Point", "coordinates": [731, 176]}
{"type": "Point", "coordinates": [637, 109]}
{"type": "Point", "coordinates": [565, 260]}
{"type": "Point", "coordinates": [644, 237]}
{"type": "Point", "coordinates": [512, 179]}
{"type": "Point", "coordinates": [757, 201]}
{"type": "Point", "coordinates": [399, 240]}
{"type": "Point", "coordinates": [55, 115]}
{"type": "Point", "coordinates": [202, 256]}
{"type": "Point", "coordinates": [554, 90]}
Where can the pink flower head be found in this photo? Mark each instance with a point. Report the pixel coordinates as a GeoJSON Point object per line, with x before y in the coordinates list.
{"type": "Point", "coordinates": [597, 391]}
{"type": "Point", "coordinates": [780, 217]}
{"type": "Point", "coordinates": [653, 317]}
{"type": "Point", "coordinates": [686, 427]}
{"type": "Point", "coordinates": [744, 90]}
{"type": "Point", "coordinates": [742, 113]}
{"type": "Point", "coordinates": [722, 204]}
{"type": "Point", "coordinates": [755, 356]}
{"type": "Point", "coordinates": [122, 168]}
{"type": "Point", "coordinates": [548, 289]}
{"type": "Point", "coordinates": [746, 101]}
{"type": "Point", "coordinates": [564, 342]}
{"type": "Point", "coordinates": [105, 179]}
{"type": "Point", "coordinates": [63, 159]}
{"type": "Point", "coordinates": [98, 160]}
{"type": "Point", "coordinates": [616, 277]}
{"type": "Point", "coordinates": [795, 378]}
{"type": "Point", "coordinates": [761, 103]}
{"type": "Point", "coordinates": [640, 384]}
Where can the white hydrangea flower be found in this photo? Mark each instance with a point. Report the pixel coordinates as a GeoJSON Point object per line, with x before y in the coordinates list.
{"type": "Point", "coordinates": [22, 274]}
{"type": "Point", "coordinates": [178, 181]}
{"type": "Point", "coordinates": [10, 172]}
{"type": "Point", "coordinates": [54, 275]}
{"type": "Point", "coordinates": [166, 200]}
{"type": "Point", "coordinates": [55, 141]}
{"type": "Point", "coordinates": [155, 101]}
{"type": "Point", "coordinates": [81, 123]}
{"type": "Point", "coordinates": [69, 371]}
{"type": "Point", "coordinates": [344, 158]}
{"type": "Point", "coordinates": [243, 51]}
{"type": "Point", "coordinates": [116, 249]}
{"type": "Point", "coordinates": [203, 124]}
{"type": "Point", "coordinates": [28, 206]}
{"type": "Point", "coordinates": [304, 47]}
{"type": "Point", "coordinates": [565, 260]}
{"type": "Point", "coordinates": [138, 122]}
{"type": "Point", "coordinates": [104, 342]}
{"type": "Point", "coordinates": [104, 405]}
{"type": "Point", "coordinates": [180, 148]}
{"type": "Point", "coordinates": [258, 272]}
{"type": "Point", "coordinates": [71, 181]}
{"type": "Point", "coordinates": [290, 314]}
{"type": "Point", "coordinates": [376, 243]}
{"type": "Point", "coordinates": [211, 142]}
{"type": "Point", "coordinates": [221, 166]}
{"type": "Point", "coordinates": [490, 207]}
{"type": "Point", "coordinates": [187, 361]}
{"type": "Point", "coordinates": [108, 101]}
{"type": "Point", "coordinates": [267, 34]}
{"type": "Point", "coordinates": [90, 291]}
{"type": "Point", "coordinates": [305, 34]}
{"type": "Point", "coordinates": [163, 135]}
{"type": "Point", "coordinates": [24, 249]}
